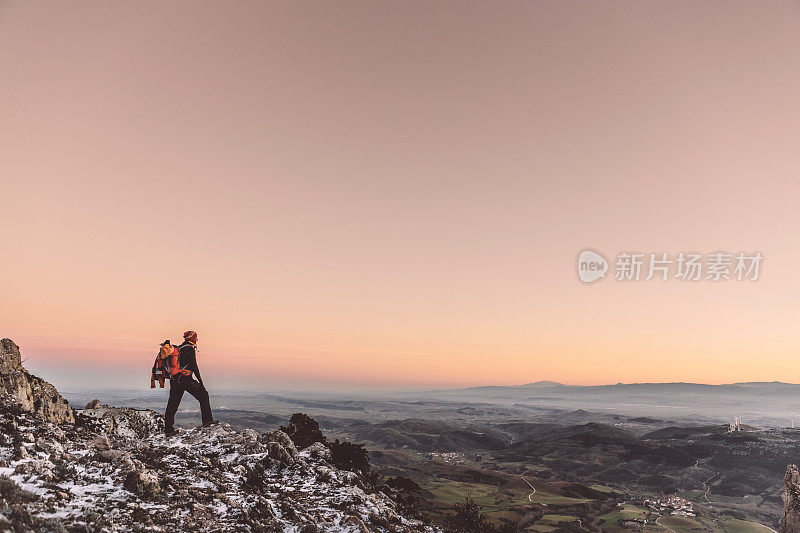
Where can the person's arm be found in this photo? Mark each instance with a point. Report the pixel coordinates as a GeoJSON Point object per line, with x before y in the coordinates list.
{"type": "Point", "coordinates": [191, 362]}
{"type": "Point", "coordinates": [195, 369]}
{"type": "Point", "coordinates": [153, 374]}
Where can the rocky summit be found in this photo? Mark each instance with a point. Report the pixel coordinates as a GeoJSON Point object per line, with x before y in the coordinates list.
{"type": "Point", "coordinates": [112, 469]}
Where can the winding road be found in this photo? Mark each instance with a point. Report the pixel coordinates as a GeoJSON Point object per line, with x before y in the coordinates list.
{"type": "Point", "coordinates": [530, 496]}
{"type": "Point", "coordinates": [708, 488]}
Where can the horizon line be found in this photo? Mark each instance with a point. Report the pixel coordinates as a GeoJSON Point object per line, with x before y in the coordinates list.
{"type": "Point", "coordinates": [438, 389]}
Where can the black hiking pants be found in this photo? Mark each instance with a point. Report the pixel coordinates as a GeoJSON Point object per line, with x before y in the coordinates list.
{"type": "Point", "coordinates": [177, 386]}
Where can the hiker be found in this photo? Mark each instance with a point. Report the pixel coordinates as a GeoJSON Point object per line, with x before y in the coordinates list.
{"type": "Point", "coordinates": [181, 369]}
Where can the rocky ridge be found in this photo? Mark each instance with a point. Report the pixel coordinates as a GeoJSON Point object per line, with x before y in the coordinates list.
{"type": "Point", "coordinates": [31, 392]}
{"type": "Point", "coordinates": [112, 469]}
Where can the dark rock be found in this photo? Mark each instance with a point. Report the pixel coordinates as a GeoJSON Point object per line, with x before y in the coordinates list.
{"type": "Point", "coordinates": [109, 456]}
{"type": "Point", "coordinates": [791, 501]}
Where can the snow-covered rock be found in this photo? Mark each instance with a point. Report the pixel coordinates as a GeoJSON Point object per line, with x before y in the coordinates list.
{"type": "Point", "coordinates": [134, 423]}
{"type": "Point", "coordinates": [115, 470]}
{"type": "Point", "coordinates": [143, 482]}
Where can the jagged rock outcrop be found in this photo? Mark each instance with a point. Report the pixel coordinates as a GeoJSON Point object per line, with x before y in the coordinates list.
{"type": "Point", "coordinates": [791, 501]}
{"type": "Point", "coordinates": [113, 469]}
{"type": "Point", "coordinates": [123, 421]}
{"type": "Point", "coordinates": [31, 392]}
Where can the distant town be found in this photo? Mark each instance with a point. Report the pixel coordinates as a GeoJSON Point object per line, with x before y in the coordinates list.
{"type": "Point", "coordinates": [447, 457]}
{"type": "Point", "coordinates": [672, 504]}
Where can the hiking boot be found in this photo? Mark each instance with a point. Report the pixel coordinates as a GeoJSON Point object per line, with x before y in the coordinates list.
{"type": "Point", "coordinates": [170, 433]}
{"type": "Point", "coordinates": [212, 423]}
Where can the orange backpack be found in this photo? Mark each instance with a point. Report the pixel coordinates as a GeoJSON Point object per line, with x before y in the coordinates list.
{"type": "Point", "coordinates": [165, 364]}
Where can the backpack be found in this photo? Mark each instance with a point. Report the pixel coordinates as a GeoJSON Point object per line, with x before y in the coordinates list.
{"type": "Point", "coordinates": [166, 359]}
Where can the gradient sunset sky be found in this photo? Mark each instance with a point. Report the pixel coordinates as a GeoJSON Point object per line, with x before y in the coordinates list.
{"type": "Point", "coordinates": [391, 194]}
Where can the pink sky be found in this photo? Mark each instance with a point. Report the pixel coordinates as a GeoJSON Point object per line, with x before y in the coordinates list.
{"type": "Point", "coordinates": [394, 193]}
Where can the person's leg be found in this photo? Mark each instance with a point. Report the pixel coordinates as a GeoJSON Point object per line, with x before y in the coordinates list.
{"type": "Point", "coordinates": [201, 394]}
{"type": "Point", "coordinates": [175, 394]}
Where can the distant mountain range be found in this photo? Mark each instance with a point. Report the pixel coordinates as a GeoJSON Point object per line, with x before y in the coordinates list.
{"type": "Point", "coordinates": [773, 403]}
{"type": "Point", "coordinates": [545, 384]}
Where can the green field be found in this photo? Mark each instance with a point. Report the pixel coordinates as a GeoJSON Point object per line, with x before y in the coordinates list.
{"type": "Point", "coordinates": [603, 488]}
{"type": "Point", "coordinates": [548, 495]}
{"type": "Point", "coordinates": [684, 524]}
{"type": "Point", "coordinates": [510, 501]}
{"type": "Point", "coordinates": [494, 504]}
{"type": "Point", "coordinates": [555, 519]}
{"type": "Point", "coordinates": [626, 512]}
{"type": "Point", "coordinates": [732, 525]}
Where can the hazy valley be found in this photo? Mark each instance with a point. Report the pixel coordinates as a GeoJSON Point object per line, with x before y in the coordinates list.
{"type": "Point", "coordinates": [547, 456]}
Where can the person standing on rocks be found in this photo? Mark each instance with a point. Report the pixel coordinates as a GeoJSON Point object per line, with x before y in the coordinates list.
{"type": "Point", "coordinates": [181, 380]}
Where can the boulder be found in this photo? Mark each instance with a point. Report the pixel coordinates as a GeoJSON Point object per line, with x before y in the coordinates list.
{"type": "Point", "coordinates": [281, 438]}
{"type": "Point", "coordinates": [94, 404]}
{"type": "Point", "coordinates": [109, 456]}
{"type": "Point", "coordinates": [276, 451]}
{"type": "Point", "coordinates": [143, 482]}
{"type": "Point", "coordinates": [318, 451]}
{"type": "Point", "coordinates": [250, 434]}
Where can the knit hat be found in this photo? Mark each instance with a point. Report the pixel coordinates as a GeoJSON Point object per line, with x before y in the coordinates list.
{"type": "Point", "coordinates": [190, 336]}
